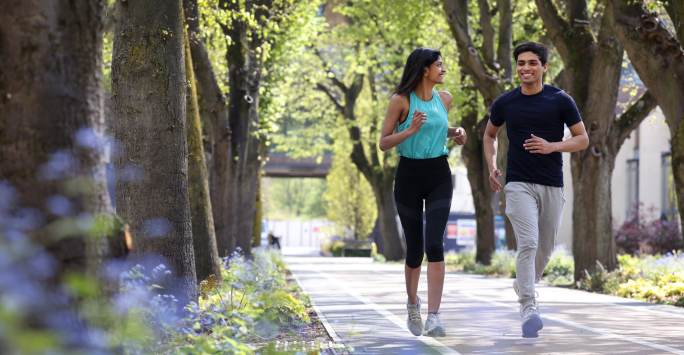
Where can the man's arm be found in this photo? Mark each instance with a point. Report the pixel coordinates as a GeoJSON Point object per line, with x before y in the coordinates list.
{"type": "Point", "coordinates": [578, 141]}
{"type": "Point", "coordinates": [489, 144]}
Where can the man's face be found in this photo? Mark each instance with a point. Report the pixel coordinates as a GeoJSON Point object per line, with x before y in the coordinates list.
{"type": "Point", "coordinates": [529, 67]}
{"type": "Point", "coordinates": [436, 71]}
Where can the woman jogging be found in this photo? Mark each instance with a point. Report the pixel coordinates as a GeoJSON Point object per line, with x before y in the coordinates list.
{"type": "Point", "coordinates": [416, 123]}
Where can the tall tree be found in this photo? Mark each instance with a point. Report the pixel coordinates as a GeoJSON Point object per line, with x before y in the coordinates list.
{"type": "Point", "coordinates": [489, 70]}
{"type": "Point", "coordinates": [50, 120]}
{"type": "Point", "coordinates": [592, 59]}
{"type": "Point", "coordinates": [363, 54]}
{"type": "Point", "coordinates": [354, 61]}
{"type": "Point", "coordinates": [658, 57]}
{"type": "Point", "coordinates": [379, 176]}
{"type": "Point", "coordinates": [252, 27]}
{"type": "Point", "coordinates": [214, 115]}
{"type": "Point", "coordinates": [207, 261]}
{"type": "Point", "coordinates": [353, 210]}
{"type": "Point", "coordinates": [148, 87]}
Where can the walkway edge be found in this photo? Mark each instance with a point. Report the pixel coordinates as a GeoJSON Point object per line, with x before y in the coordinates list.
{"type": "Point", "coordinates": [326, 325]}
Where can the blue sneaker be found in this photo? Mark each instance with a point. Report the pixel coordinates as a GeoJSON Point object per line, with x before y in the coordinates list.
{"type": "Point", "coordinates": [531, 321]}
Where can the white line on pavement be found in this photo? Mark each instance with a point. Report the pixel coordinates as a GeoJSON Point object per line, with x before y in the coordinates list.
{"type": "Point", "coordinates": [389, 316]}
{"type": "Point", "coordinates": [328, 328]}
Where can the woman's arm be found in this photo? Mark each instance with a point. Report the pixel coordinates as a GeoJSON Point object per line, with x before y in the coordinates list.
{"type": "Point", "coordinates": [397, 107]}
{"type": "Point", "coordinates": [458, 134]}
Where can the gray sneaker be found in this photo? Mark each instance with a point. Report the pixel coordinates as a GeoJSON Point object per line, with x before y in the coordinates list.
{"type": "Point", "coordinates": [531, 321]}
{"type": "Point", "coordinates": [414, 322]}
{"type": "Point", "coordinates": [433, 326]}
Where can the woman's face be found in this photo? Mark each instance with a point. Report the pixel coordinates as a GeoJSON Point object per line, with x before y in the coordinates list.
{"type": "Point", "coordinates": [436, 71]}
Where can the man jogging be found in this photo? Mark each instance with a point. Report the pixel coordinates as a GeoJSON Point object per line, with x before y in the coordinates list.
{"type": "Point", "coordinates": [535, 115]}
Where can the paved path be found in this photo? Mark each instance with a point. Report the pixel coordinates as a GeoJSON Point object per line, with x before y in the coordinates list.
{"type": "Point", "coordinates": [363, 305]}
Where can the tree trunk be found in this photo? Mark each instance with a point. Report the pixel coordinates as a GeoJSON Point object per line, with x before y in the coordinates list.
{"type": "Point", "coordinates": [593, 65]}
{"type": "Point", "coordinates": [246, 172]}
{"type": "Point", "coordinates": [379, 175]}
{"type": "Point", "coordinates": [677, 163]}
{"type": "Point", "coordinates": [148, 86]}
{"type": "Point", "coordinates": [52, 117]}
{"type": "Point", "coordinates": [207, 261]}
{"type": "Point", "coordinates": [592, 237]}
{"type": "Point", "coordinates": [214, 114]}
{"type": "Point", "coordinates": [393, 246]}
{"type": "Point", "coordinates": [244, 75]}
{"type": "Point", "coordinates": [477, 66]}
{"type": "Point", "coordinates": [258, 216]}
{"type": "Point", "coordinates": [662, 70]}
{"type": "Point", "coordinates": [479, 186]}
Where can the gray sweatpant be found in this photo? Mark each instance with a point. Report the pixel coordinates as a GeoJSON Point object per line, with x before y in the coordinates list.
{"type": "Point", "coordinates": [535, 212]}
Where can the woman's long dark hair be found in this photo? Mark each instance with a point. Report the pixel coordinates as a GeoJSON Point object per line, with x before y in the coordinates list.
{"type": "Point", "coordinates": [416, 63]}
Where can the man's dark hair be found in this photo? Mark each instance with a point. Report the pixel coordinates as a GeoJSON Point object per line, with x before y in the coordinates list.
{"type": "Point", "coordinates": [536, 48]}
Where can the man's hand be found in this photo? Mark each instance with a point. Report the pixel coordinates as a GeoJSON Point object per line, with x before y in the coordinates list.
{"type": "Point", "coordinates": [494, 180]}
{"type": "Point", "coordinates": [538, 145]}
{"type": "Point", "coordinates": [458, 134]}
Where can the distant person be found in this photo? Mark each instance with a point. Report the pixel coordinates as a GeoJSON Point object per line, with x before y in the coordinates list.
{"type": "Point", "coordinates": [535, 115]}
{"type": "Point", "coordinates": [273, 241]}
{"type": "Point", "coordinates": [417, 124]}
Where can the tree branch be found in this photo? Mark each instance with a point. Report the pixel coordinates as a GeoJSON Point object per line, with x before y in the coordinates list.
{"type": "Point", "coordinates": [632, 118]}
{"type": "Point", "coordinates": [561, 80]}
{"type": "Point", "coordinates": [577, 12]}
{"type": "Point", "coordinates": [375, 159]}
{"type": "Point", "coordinates": [675, 8]}
{"type": "Point", "coordinates": [358, 154]}
{"type": "Point", "coordinates": [457, 15]}
{"type": "Point", "coordinates": [333, 99]}
{"type": "Point", "coordinates": [328, 68]}
{"type": "Point", "coordinates": [487, 34]}
{"type": "Point", "coordinates": [505, 38]}
{"type": "Point", "coordinates": [656, 55]}
{"type": "Point", "coordinates": [556, 27]}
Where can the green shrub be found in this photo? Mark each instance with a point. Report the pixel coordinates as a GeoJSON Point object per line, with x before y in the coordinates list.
{"type": "Point", "coordinates": [502, 264]}
{"type": "Point", "coordinates": [652, 278]}
{"type": "Point", "coordinates": [337, 247]}
{"type": "Point", "coordinates": [464, 261]}
{"type": "Point", "coordinates": [560, 269]}
{"type": "Point", "coordinates": [253, 304]}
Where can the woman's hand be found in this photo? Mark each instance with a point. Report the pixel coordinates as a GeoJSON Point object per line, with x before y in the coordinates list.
{"type": "Point", "coordinates": [418, 119]}
{"type": "Point", "coordinates": [458, 134]}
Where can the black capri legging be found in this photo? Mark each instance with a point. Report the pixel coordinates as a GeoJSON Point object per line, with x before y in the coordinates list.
{"type": "Point", "coordinates": [429, 180]}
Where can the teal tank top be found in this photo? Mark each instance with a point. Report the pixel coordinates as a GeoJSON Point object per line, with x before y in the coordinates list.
{"type": "Point", "coordinates": [430, 140]}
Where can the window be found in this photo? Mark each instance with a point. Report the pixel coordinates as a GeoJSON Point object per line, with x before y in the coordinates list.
{"type": "Point", "coordinates": [632, 203]}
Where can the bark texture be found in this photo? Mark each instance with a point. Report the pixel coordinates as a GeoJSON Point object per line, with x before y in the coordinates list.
{"type": "Point", "coordinates": [207, 261]}
{"type": "Point", "coordinates": [51, 119]}
{"type": "Point", "coordinates": [149, 99]}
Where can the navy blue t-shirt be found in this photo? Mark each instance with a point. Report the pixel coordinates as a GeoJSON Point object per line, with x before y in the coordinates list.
{"type": "Point", "coordinates": [544, 115]}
